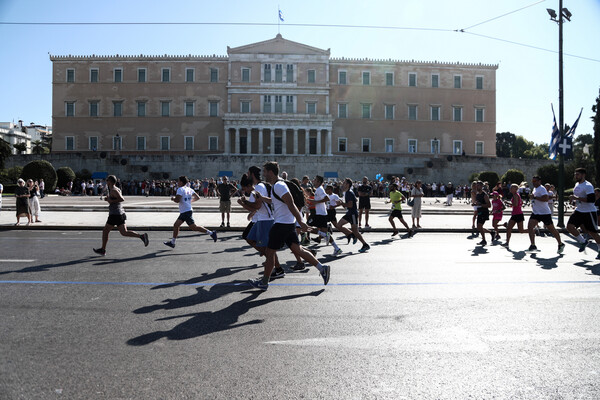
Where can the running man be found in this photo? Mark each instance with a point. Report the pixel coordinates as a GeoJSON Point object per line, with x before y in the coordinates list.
{"type": "Point", "coordinates": [482, 201]}
{"type": "Point", "coordinates": [540, 212]}
{"type": "Point", "coordinates": [516, 214]}
{"type": "Point", "coordinates": [351, 217]}
{"type": "Point", "coordinates": [116, 216]}
{"type": "Point", "coordinates": [396, 198]}
{"type": "Point", "coordinates": [585, 212]}
{"type": "Point", "coordinates": [364, 201]}
{"type": "Point", "coordinates": [319, 220]}
{"type": "Point", "coordinates": [225, 190]}
{"type": "Point", "coordinates": [185, 196]}
{"type": "Point", "coordinates": [283, 231]}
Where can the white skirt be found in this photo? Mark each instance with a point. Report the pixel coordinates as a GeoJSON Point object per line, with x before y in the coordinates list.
{"type": "Point", "coordinates": [34, 206]}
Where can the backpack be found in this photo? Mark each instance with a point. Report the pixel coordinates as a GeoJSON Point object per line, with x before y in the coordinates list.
{"type": "Point", "coordinates": [295, 191]}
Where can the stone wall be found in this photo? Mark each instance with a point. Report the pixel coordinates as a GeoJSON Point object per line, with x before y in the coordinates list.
{"type": "Point", "coordinates": [429, 169]}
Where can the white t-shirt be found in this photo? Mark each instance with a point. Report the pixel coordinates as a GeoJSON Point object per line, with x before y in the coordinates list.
{"type": "Point", "coordinates": [320, 208]}
{"type": "Point", "coordinates": [185, 204]}
{"type": "Point", "coordinates": [333, 201]}
{"type": "Point", "coordinates": [263, 213]}
{"type": "Point", "coordinates": [537, 206]}
{"type": "Point", "coordinates": [252, 199]}
{"type": "Point", "coordinates": [281, 212]}
{"type": "Point", "coordinates": [582, 190]}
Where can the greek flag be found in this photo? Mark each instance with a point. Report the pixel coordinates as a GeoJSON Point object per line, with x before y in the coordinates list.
{"type": "Point", "coordinates": [555, 140]}
{"type": "Point", "coordinates": [280, 16]}
{"type": "Point", "coordinates": [571, 132]}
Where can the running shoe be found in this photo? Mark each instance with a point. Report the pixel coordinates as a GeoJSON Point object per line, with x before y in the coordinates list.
{"type": "Point", "coordinates": [349, 237]}
{"type": "Point", "coordinates": [100, 251]}
{"type": "Point", "coordinates": [144, 238]}
{"type": "Point", "coordinates": [411, 233]}
{"type": "Point", "coordinates": [582, 246]}
{"type": "Point", "coordinates": [214, 236]}
{"type": "Point", "coordinates": [367, 226]}
{"type": "Point", "coordinates": [299, 266]}
{"type": "Point", "coordinates": [497, 237]}
{"type": "Point", "coordinates": [325, 274]}
{"type": "Point", "coordinates": [482, 243]}
{"type": "Point", "coordinates": [354, 239]}
{"type": "Point", "coordinates": [561, 248]}
{"type": "Point", "coordinates": [228, 225]}
{"type": "Point", "coordinates": [170, 244]}
{"type": "Point", "coordinates": [277, 273]}
{"type": "Point", "coordinates": [222, 225]}
{"type": "Point", "coordinates": [504, 245]}
{"type": "Point", "coordinates": [533, 247]}
{"type": "Point", "coordinates": [317, 239]}
{"type": "Point", "coordinates": [258, 284]}
{"type": "Point", "coordinates": [339, 251]}
{"type": "Point", "coordinates": [366, 247]}
{"type": "Point", "coordinates": [394, 233]}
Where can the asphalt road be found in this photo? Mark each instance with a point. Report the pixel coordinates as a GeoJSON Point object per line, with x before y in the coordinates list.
{"type": "Point", "coordinates": [432, 317]}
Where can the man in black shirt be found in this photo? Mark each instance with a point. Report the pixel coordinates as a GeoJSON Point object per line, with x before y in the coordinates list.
{"type": "Point", "coordinates": [225, 190]}
{"type": "Point", "coordinates": [364, 201]}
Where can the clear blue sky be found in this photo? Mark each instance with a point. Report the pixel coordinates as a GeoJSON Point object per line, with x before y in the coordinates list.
{"type": "Point", "coordinates": [527, 78]}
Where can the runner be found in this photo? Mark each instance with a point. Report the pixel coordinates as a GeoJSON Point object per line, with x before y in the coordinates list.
{"type": "Point", "coordinates": [482, 201]}
{"type": "Point", "coordinates": [516, 215]}
{"type": "Point", "coordinates": [283, 230]}
{"type": "Point", "coordinates": [497, 210]}
{"type": "Point", "coordinates": [474, 204]}
{"type": "Point", "coordinates": [185, 196]}
{"type": "Point", "coordinates": [248, 204]}
{"type": "Point", "coordinates": [319, 219]}
{"type": "Point", "coordinates": [540, 212]}
{"type": "Point", "coordinates": [351, 217]}
{"type": "Point", "coordinates": [334, 201]}
{"type": "Point", "coordinates": [396, 198]}
{"type": "Point", "coordinates": [116, 216]}
{"type": "Point", "coordinates": [364, 201]}
{"type": "Point", "coordinates": [585, 212]}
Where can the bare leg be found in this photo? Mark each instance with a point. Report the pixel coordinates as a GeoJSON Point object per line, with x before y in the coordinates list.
{"type": "Point", "coordinates": [530, 228]}
{"type": "Point", "coordinates": [105, 231]}
{"type": "Point", "coordinates": [124, 232]}
{"type": "Point", "coordinates": [555, 233]}
{"type": "Point", "coordinates": [176, 226]}
{"type": "Point", "coordinates": [367, 217]}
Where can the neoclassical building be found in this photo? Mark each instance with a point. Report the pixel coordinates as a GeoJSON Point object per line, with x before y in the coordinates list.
{"type": "Point", "coordinates": [272, 97]}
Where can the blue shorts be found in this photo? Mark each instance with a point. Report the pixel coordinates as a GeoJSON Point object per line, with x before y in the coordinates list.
{"type": "Point", "coordinates": [186, 217]}
{"type": "Point", "coordinates": [260, 233]}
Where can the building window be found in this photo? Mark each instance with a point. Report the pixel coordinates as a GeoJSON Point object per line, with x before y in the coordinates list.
{"type": "Point", "coordinates": [117, 142]}
{"type": "Point", "coordinates": [412, 79]}
{"type": "Point", "coordinates": [289, 104]}
{"type": "Point", "coordinates": [189, 108]}
{"type": "Point", "coordinates": [342, 78]}
{"type": "Point", "coordinates": [479, 83]}
{"type": "Point", "coordinates": [312, 145]}
{"type": "Point", "coordinates": [342, 145]}
{"type": "Point", "coordinates": [213, 143]}
{"type": "Point", "coordinates": [70, 108]}
{"type": "Point", "coordinates": [165, 108]}
{"type": "Point", "coordinates": [479, 148]}
{"type": "Point", "coordinates": [435, 146]}
{"type": "Point", "coordinates": [165, 143]}
{"type": "Point", "coordinates": [457, 114]}
{"type": "Point", "coordinates": [213, 108]}
{"type": "Point", "coordinates": [366, 145]}
{"type": "Point", "coordinates": [141, 75]}
{"type": "Point", "coordinates": [389, 111]}
{"type": "Point", "coordinates": [278, 142]}
{"type": "Point", "coordinates": [141, 143]}
{"type": "Point", "coordinates": [312, 76]}
{"type": "Point", "coordinates": [245, 107]}
{"type": "Point", "coordinates": [69, 142]}
{"type": "Point", "coordinates": [289, 73]}
{"type": "Point", "coordinates": [93, 143]}
{"type": "Point", "coordinates": [389, 79]}
{"type": "Point", "coordinates": [189, 143]}
{"type": "Point", "coordinates": [118, 75]}
{"type": "Point", "coordinates": [366, 78]}
{"type": "Point", "coordinates": [166, 74]}
{"type": "Point", "coordinates": [457, 81]}
{"type": "Point", "coordinates": [343, 110]}
{"type": "Point", "coordinates": [94, 75]}
{"type": "Point", "coordinates": [189, 74]}
{"type": "Point", "coordinates": [479, 113]}
{"type": "Point", "coordinates": [311, 107]}
{"type": "Point", "coordinates": [435, 113]}
{"type": "Point", "coordinates": [278, 104]}
{"type": "Point", "coordinates": [245, 74]}
{"type": "Point", "coordinates": [457, 147]}
{"type": "Point", "coordinates": [389, 145]}
{"type": "Point", "coordinates": [117, 108]}
{"type": "Point", "coordinates": [243, 144]}
{"type": "Point", "coordinates": [366, 111]}
{"type": "Point", "coordinates": [70, 75]}
{"type": "Point", "coordinates": [267, 104]}
{"type": "Point", "coordinates": [412, 145]}
{"type": "Point", "coordinates": [412, 112]}
{"type": "Point", "coordinates": [267, 73]}
{"type": "Point", "coordinates": [93, 108]}
{"type": "Point", "coordinates": [214, 75]}
{"type": "Point", "coordinates": [278, 73]}
{"type": "Point", "coordinates": [141, 108]}
{"type": "Point", "coordinates": [435, 80]}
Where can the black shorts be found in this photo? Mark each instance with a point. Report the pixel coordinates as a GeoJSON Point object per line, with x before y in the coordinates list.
{"type": "Point", "coordinates": [186, 217]}
{"type": "Point", "coordinates": [397, 214]}
{"type": "Point", "coordinates": [318, 221]}
{"type": "Point", "coordinates": [116, 219]}
{"type": "Point", "coordinates": [247, 230]}
{"type": "Point", "coordinates": [351, 217]}
{"type": "Point", "coordinates": [364, 203]}
{"type": "Point", "coordinates": [588, 220]}
{"type": "Point", "coordinates": [281, 234]}
{"type": "Point", "coordinates": [545, 218]}
{"type": "Point", "coordinates": [483, 214]}
{"type": "Point", "coordinates": [517, 218]}
{"type": "Point", "coordinates": [331, 215]}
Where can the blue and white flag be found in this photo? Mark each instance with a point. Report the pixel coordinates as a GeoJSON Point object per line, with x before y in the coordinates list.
{"type": "Point", "coordinates": [280, 16]}
{"type": "Point", "coordinates": [554, 141]}
{"type": "Point", "coordinates": [571, 132]}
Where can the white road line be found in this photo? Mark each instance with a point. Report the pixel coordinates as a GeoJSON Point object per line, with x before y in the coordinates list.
{"type": "Point", "coordinates": [16, 261]}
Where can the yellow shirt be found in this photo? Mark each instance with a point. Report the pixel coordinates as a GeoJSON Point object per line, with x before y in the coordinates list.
{"type": "Point", "coordinates": [396, 196]}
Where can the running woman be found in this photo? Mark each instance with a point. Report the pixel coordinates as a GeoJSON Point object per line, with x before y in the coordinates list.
{"type": "Point", "coordinates": [516, 214]}
{"type": "Point", "coordinates": [497, 209]}
{"type": "Point", "coordinates": [116, 216]}
{"type": "Point", "coordinates": [351, 217]}
{"type": "Point", "coordinates": [185, 196]}
{"type": "Point", "coordinates": [540, 212]}
{"type": "Point", "coordinates": [396, 198]}
{"type": "Point", "coordinates": [248, 205]}
{"type": "Point", "coordinates": [585, 212]}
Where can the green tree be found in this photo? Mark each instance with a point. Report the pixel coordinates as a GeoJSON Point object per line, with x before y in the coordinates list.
{"type": "Point", "coordinates": [20, 147]}
{"type": "Point", "coordinates": [64, 175]}
{"type": "Point", "coordinates": [14, 173]}
{"type": "Point", "coordinates": [537, 151]}
{"type": "Point", "coordinates": [504, 143]}
{"type": "Point", "coordinates": [520, 146]}
{"type": "Point", "coordinates": [490, 177]}
{"type": "Point", "coordinates": [549, 173]}
{"type": "Point", "coordinates": [513, 176]}
{"type": "Point", "coordinates": [37, 147]}
{"type": "Point", "coordinates": [41, 169]}
{"type": "Point", "coordinates": [5, 152]}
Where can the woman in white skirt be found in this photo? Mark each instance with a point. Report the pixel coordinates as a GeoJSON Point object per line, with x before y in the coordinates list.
{"type": "Point", "coordinates": [416, 193]}
{"type": "Point", "coordinates": [34, 202]}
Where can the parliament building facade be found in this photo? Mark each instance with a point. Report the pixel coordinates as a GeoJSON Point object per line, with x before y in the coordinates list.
{"type": "Point", "coordinates": [272, 97]}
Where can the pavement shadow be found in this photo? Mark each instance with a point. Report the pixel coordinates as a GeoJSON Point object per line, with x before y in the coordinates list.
{"type": "Point", "coordinates": [233, 249]}
{"type": "Point", "coordinates": [593, 268]}
{"type": "Point", "coordinates": [479, 250]}
{"type": "Point", "coordinates": [547, 263]}
{"type": "Point", "coordinates": [205, 323]}
{"type": "Point", "coordinates": [147, 256]}
{"type": "Point", "coordinates": [473, 235]}
{"type": "Point", "coordinates": [517, 255]}
{"type": "Point", "coordinates": [219, 273]}
{"type": "Point", "coordinates": [48, 267]}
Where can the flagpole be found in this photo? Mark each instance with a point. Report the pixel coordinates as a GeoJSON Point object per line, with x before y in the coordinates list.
{"type": "Point", "coordinates": [561, 158]}
{"type": "Point", "coordinates": [278, 19]}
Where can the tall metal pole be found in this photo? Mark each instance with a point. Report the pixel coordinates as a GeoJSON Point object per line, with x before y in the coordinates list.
{"type": "Point", "coordinates": [561, 161]}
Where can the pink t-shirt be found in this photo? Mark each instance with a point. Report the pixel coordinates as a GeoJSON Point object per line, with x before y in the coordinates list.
{"type": "Point", "coordinates": [497, 209]}
{"type": "Point", "coordinates": [517, 208]}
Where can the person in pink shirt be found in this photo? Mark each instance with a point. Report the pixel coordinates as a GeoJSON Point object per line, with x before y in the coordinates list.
{"type": "Point", "coordinates": [497, 209]}
{"type": "Point", "coordinates": [516, 215]}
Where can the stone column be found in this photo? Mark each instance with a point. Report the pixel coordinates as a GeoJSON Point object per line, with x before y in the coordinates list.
{"type": "Point", "coordinates": [260, 140]}
{"type": "Point", "coordinates": [283, 141]}
{"type": "Point", "coordinates": [306, 141]}
{"type": "Point", "coordinates": [295, 141]}
{"type": "Point", "coordinates": [227, 146]}
{"type": "Point", "coordinates": [272, 140]}
{"type": "Point", "coordinates": [329, 135]}
{"type": "Point", "coordinates": [249, 141]}
{"type": "Point", "coordinates": [319, 141]}
{"type": "Point", "coordinates": [237, 141]}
